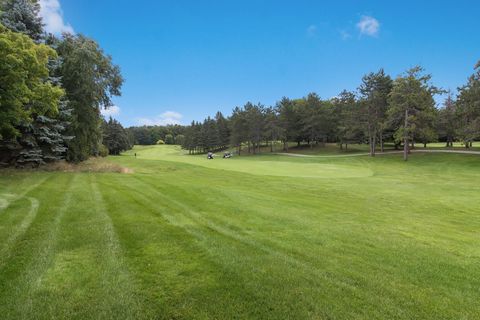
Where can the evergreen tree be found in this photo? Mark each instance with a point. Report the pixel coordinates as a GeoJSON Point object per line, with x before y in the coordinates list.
{"type": "Point", "coordinates": [374, 91]}
{"type": "Point", "coordinates": [273, 130]}
{"type": "Point", "coordinates": [223, 130]}
{"type": "Point", "coordinates": [412, 107]}
{"type": "Point", "coordinates": [468, 109]}
{"type": "Point", "coordinates": [290, 121]}
{"type": "Point", "coordinates": [239, 128]}
{"type": "Point", "coordinates": [22, 16]}
{"type": "Point", "coordinates": [447, 124]}
{"type": "Point", "coordinates": [115, 137]}
{"type": "Point", "coordinates": [349, 128]}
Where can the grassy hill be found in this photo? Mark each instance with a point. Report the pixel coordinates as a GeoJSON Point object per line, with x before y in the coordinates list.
{"type": "Point", "coordinates": [266, 237]}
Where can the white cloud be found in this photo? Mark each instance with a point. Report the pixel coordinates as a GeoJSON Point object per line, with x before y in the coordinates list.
{"type": "Point", "coordinates": [312, 30]}
{"type": "Point", "coordinates": [52, 15]}
{"type": "Point", "coordinates": [166, 118]}
{"type": "Point", "coordinates": [368, 26]}
{"type": "Point", "coordinates": [111, 112]}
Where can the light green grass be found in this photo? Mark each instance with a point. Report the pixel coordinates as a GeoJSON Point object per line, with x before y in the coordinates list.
{"type": "Point", "coordinates": [456, 146]}
{"type": "Point", "coordinates": [267, 237]}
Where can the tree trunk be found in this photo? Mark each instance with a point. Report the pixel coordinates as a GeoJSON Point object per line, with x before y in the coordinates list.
{"type": "Point", "coordinates": [374, 145]}
{"type": "Point", "coordinates": [405, 138]}
{"type": "Point", "coordinates": [424, 145]}
{"type": "Point", "coordinates": [382, 147]}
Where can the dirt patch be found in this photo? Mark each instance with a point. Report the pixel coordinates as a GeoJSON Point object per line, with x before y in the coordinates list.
{"type": "Point", "coordinates": [91, 165]}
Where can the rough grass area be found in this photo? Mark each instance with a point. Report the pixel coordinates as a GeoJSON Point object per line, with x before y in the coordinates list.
{"type": "Point", "coordinates": [244, 238]}
{"type": "Point", "coordinates": [92, 165]}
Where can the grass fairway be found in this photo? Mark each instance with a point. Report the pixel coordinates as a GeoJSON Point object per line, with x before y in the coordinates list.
{"type": "Point", "coordinates": [267, 237]}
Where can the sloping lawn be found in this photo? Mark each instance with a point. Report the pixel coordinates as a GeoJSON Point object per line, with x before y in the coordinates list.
{"type": "Point", "coordinates": [265, 237]}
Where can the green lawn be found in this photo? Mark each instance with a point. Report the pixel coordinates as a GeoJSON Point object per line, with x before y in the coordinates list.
{"type": "Point", "coordinates": [265, 237]}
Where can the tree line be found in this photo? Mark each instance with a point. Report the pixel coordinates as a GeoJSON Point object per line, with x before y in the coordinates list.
{"type": "Point", "coordinates": [152, 135]}
{"type": "Point", "coordinates": [382, 110]}
{"type": "Point", "coordinates": [52, 90]}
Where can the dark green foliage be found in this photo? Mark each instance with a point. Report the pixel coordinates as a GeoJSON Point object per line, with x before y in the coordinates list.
{"type": "Point", "coordinates": [90, 80]}
{"type": "Point", "coordinates": [468, 109]}
{"type": "Point", "coordinates": [31, 116]}
{"type": "Point", "coordinates": [169, 139]}
{"type": "Point", "coordinates": [180, 140]}
{"type": "Point", "coordinates": [115, 137]}
{"type": "Point", "coordinates": [44, 140]}
{"type": "Point", "coordinates": [290, 121]}
{"type": "Point", "coordinates": [447, 122]}
{"type": "Point", "coordinates": [149, 135]}
{"type": "Point", "coordinates": [412, 109]}
{"type": "Point", "coordinates": [22, 16]}
{"type": "Point", "coordinates": [223, 129]}
{"type": "Point", "coordinates": [347, 114]}
{"type": "Point", "coordinates": [374, 91]}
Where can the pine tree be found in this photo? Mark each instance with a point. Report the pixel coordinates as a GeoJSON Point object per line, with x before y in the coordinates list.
{"type": "Point", "coordinates": [468, 109]}
{"type": "Point", "coordinates": [115, 137]}
{"type": "Point", "coordinates": [374, 91]}
{"type": "Point", "coordinates": [23, 16]}
{"type": "Point", "coordinates": [223, 130]}
{"type": "Point", "coordinates": [448, 122]}
{"type": "Point", "coordinates": [412, 107]}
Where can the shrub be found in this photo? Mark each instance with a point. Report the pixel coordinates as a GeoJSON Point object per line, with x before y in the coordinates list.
{"type": "Point", "coordinates": [169, 139]}
{"type": "Point", "coordinates": [160, 142]}
{"type": "Point", "coordinates": [103, 151]}
{"type": "Point", "coordinates": [180, 139]}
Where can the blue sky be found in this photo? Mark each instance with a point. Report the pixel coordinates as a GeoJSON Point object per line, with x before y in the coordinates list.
{"type": "Point", "coordinates": [184, 60]}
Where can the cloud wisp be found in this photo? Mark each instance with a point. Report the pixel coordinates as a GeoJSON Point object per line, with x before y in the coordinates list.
{"type": "Point", "coordinates": [111, 112]}
{"type": "Point", "coordinates": [52, 15]}
{"type": "Point", "coordinates": [368, 26]}
{"type": "Point", "coordinates": [166, 118]}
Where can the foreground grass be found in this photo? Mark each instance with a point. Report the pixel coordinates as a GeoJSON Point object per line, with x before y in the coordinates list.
{"type": "Point", "coordinates": [265, 237]}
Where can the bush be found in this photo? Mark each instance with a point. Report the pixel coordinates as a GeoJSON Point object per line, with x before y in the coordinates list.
{"type": "Point", "coordinates": [103, 151]}
{"type": "Point", "coordinates": [160, 142]}
{"type": "Point", "coordinates": [180, 139]}
{"type": "Point", "coordinates": [169, 139]}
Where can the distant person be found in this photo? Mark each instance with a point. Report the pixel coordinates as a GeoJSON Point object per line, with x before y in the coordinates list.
{"type": "Point", "coordinates": [210, 156]}
{"type": "Point", "coordinates": [135, 154]}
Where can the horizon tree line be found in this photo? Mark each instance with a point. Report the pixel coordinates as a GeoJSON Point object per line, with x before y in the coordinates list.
{"type": "Point", "coordinates": [400, 111]}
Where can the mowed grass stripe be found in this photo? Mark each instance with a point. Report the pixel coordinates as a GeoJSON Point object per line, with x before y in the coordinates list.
{"type": "Point", "coordinates": [358, 257]}
{"type": "Point", "coordinates": [21, 272]}
{"type": "Point", "coordinates": [176, 240]}
{"type": "Point", "coordinates": [222, 243]}
{"type": "Point", "coordinates": [175, 271]}
{"type": "Point", "coordinates": [115, 273]}
{"type": "Point", "coordinates": [18, 231]}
